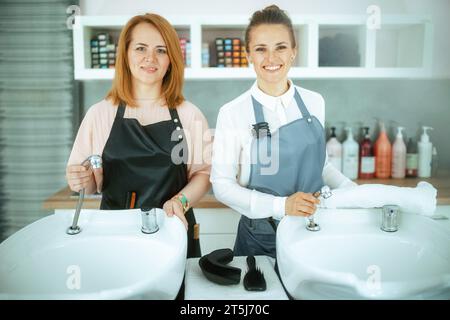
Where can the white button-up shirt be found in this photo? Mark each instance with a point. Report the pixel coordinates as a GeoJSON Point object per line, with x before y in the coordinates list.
{"type": "Point", "coordinates": [230, 171]}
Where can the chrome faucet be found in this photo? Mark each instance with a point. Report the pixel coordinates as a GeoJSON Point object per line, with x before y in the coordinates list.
{"type": "Point", "coordinates": [149, 221]}
{"type": "Point", "coordinates": [324, 192]}
{"type": "Point", "coordinates": [95, 162]}
{"type": "Point", "coordinates": [390, 218]}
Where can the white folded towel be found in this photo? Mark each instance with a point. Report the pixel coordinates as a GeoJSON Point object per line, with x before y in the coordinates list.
{"type": "Point", "coordinates": [420, 200]}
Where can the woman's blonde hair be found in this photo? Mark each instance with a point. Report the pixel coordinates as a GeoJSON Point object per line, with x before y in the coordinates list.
{"type": "Point", "coordinates": [172, 85]}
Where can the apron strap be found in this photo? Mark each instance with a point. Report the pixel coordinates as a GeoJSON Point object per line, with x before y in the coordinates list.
{"type": "Point", "coordinates": [175, 118]}
{"type": "Point", "coordinates": [120, 110]}
{"type": "Point", "coordinates": [273, 224]}
{"type": "Point", "coordinates": [258, 111]}
{"type": "Point", "coordinates": [301, 105]}
{"type": "Point", "coordinates": [259, 114]}
{"type": "Point", "coordinates": [177, 123]}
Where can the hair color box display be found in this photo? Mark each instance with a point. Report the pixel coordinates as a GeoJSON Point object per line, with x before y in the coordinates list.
{"type": "Point", "coordinates": [103, 51]}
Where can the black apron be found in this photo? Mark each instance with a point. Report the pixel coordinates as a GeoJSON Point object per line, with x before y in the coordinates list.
{"type": "Point", "coordinates": [138, 159]}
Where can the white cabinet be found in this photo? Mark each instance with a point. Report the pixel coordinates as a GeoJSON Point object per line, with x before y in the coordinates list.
{"type": "Point", "coordinates": [218, 228]}
{"type": "Point", "coordinates": [330, 46]}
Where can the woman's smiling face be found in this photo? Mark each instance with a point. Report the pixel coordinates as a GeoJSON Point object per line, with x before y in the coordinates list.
{"type": "Point", "coordinates": [147, 55]}
{"type": "Point", "coordinates": [271, 52]}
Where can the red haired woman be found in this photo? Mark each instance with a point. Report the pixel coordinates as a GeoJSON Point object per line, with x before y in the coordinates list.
{"type": "Point", "coordinates": [144, 129]}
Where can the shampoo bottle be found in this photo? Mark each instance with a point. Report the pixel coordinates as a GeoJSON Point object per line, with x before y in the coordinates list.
{"type": "Point", "coordinates": [425, 154]}
{"type": "Point", "coordinates": [383, 154]}
{"type": "Point", "coordinates": [350, 150]}
{"type": "Point", "coordinates": [366, 158]}
{"type": "Point", "coordinates": [399, 156]}
{"type": "Point", "coordinates": [334, 150]}
{"type": "Point", "coordinates": [411, 159]}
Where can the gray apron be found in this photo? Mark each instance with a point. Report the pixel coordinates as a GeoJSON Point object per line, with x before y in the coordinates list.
{"type": "Point", "coordinates": [288, 161]}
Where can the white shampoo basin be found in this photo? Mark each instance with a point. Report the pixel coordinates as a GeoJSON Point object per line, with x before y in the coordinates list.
{"type": "Point", "coordinates": [110, 259]}
{"type": "Point", "coordinates": [352, 258]}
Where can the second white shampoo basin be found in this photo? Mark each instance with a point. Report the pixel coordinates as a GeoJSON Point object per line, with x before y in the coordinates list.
{"type": "Point", "coordinates": [352, 258]}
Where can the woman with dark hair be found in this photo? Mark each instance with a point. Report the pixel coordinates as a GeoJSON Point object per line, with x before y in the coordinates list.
{"type": "Point", "coordinates": [145, 130]}
{"type": "Point", "coordinates": [269, 153]}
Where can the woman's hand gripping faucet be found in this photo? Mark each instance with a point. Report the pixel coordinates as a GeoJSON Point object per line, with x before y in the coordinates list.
{"type": "Point", "coordinates": [88, 175]}
{"type": "Point", "coordinates": [323, 193]}
{"type": "Point", "coordinates": [301, 204]}
{"type": "Point", "coordinates": [305, 204]}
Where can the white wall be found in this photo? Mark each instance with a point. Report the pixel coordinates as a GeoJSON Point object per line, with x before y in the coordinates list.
{"type": "Point", "coordinates": [91, 7]}
{"type": "Point", "coordinates": [439, 10]}
{"type": "Point", "coordinates": [440, 13]}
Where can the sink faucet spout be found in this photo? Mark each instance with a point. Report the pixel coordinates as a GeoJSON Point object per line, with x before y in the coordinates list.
{"type": "Point", "coordinates": [95, 162]}
{"type": "Point", "coordinates": [390, 218]}
{"type": "Point", "coordinates": [324, 192]}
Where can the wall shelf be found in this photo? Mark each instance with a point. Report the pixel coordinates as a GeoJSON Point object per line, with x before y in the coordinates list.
{"type": "Point", "coordinates": [401, 48]}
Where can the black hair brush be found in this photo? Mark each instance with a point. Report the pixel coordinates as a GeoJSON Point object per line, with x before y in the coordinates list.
{"type": "Point", "coordinates": [254, 278]}
{"type": "Point", "coordinates": [214, 267]}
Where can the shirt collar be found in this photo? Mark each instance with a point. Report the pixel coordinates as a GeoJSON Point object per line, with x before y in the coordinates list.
{"type": "Point", "coordinates": [271, 102]}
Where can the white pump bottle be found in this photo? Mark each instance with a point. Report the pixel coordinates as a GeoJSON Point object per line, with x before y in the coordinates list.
{"type": "Point", "coordinates": [425, 154]}
{"type": "Point", "coordinates": [399, 156]}
{"type": "Point", "coordinates": [350, 153]}
{"type": "Point", "coordinates": [334, 150]}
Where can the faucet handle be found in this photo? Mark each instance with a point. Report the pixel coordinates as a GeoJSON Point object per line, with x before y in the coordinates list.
{"type": "Point", "coordinates": [324, 192]}
{"type": "Point", "coordinates": [95, 161]}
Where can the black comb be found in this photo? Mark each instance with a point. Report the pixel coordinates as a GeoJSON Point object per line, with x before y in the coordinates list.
{"type": "Point", "coordinates": [254, 278]}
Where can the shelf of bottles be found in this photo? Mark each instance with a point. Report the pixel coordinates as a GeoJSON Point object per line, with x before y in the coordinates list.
{"type": "Point", "coordinates": [382, 157]}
